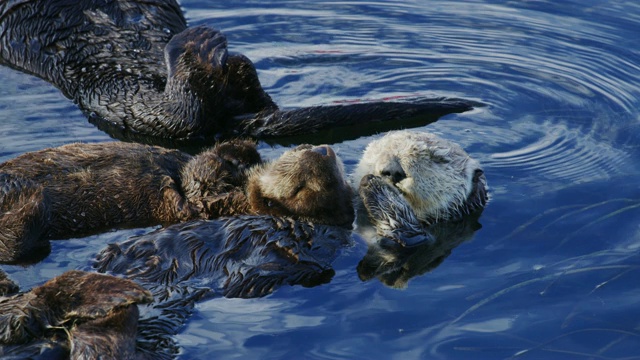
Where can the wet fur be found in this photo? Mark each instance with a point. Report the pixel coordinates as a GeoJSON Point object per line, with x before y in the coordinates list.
{"type": "Point", "coordinates": [76, 315]}
{"type": "Point", "coordinates": [139, 73]}
{"type": "Point", "coordinates": [81, 189]}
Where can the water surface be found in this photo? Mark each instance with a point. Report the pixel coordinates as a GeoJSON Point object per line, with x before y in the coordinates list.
{"type": "Point", "coordinates": [552, 273]}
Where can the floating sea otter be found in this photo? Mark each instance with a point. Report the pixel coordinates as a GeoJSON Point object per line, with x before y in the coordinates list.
{"type": "Point", "coordinates": [139, 73]}
{"type": "Point", "coordinates": [76, 315]}
{"type": "Point", "coordinates": [423, 196]}
{"type": "Point", "coordinates": [82, 189]}
{"type": "Point", "coordinates": [309, 210]}
{"type": "Point", "coordinates": [249, 255]}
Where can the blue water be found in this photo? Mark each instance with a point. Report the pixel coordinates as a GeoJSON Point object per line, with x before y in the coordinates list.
{"type": "Point", "coordinates": [552, 274]}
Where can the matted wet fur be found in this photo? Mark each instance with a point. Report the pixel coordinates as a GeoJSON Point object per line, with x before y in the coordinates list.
{"type": "Point", "coordinates": [80, 189]}
{"type": "Point", "coordinates": [139, 73]}
{"type": "Point", "coordinates": [76, 315]}
{"type": "Point", "coordinates": [244, 256]}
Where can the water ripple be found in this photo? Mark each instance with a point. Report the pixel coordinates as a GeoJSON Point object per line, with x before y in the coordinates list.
{"type": "Point", "coordinates": [561, 155]}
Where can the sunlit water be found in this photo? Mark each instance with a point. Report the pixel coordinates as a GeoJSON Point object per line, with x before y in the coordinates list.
{"type": "Point", "coordinates": [554, 271]}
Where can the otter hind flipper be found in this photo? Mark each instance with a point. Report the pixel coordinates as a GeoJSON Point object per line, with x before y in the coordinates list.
{"type": "Point", "coordinates": [337, 123]}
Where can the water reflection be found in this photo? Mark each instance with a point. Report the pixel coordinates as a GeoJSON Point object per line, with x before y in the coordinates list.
{"type": "Point", "coordinates": [394, 265]}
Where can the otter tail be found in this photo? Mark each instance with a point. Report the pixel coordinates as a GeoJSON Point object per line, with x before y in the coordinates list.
{"type": "Point", "coordinates": [336, 123]}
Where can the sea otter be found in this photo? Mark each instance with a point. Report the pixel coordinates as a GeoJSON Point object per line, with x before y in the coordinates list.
{"type": "Point", "coordinates": [252, 255]}
{"type": "Point", "coordinates": [420, 196]}
{"type": "Point", "coordinates": [76, 315]}
{"type": "Point", "coordinates": [139, 73]}
{"type": "Point", "coordinates": [81, 189]}
{"type": "Point", "coordinates": [438, 179]}
{"type": "Point", "coordinates": [308, 203]}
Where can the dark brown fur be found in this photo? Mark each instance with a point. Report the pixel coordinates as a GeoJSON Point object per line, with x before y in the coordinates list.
{"type": "Point", "coordinates": [76, 315]}
{"type": "Point", "coordinates": [7, 286]}
{"type": "Point", "coordinates": [81, 189]}
{"type": "Point", "coordinates": [139, 73]}
{"type": "Point", "coordinates": [246, 256]}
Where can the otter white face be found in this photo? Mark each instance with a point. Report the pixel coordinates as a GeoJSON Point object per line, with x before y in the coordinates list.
{"type": "Point", "coordinates": [436, 176]}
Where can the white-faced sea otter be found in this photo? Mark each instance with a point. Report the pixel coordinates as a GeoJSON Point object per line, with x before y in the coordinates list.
{"type": "Point", "coordinates": [438, 179]}
{"type": "Point", "coordinates": [139, 73]}
{"type": "Point", "coordinates": [420, 196]}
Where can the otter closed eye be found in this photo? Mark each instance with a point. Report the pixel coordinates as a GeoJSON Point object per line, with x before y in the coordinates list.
{"type": "Point", "coordinates": [445, 182]}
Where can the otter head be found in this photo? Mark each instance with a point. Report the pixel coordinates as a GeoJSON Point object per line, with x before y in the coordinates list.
{"type": "Point", "coordinates": [306, 183]}
{"type": "Point", "coordinates": [437, 177]}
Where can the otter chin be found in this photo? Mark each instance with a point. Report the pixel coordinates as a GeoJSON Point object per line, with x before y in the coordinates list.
{"type": "Point", "coordinates": [436, 177]}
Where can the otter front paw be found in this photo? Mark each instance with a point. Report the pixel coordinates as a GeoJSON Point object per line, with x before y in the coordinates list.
{"type": "Point", "coordinates": [196, 48]}
{"type": "Point", "coordinates": [391, 214]}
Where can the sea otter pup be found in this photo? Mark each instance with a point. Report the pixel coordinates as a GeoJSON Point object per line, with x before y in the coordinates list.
{"type": "Point", "coordinates": [138, 72]}
{"type": "Point", "coordinates": [79, 189]}
{"type": "Point", "coordinates": [77, 315]}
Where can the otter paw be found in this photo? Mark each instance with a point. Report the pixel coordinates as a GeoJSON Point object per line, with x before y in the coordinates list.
{"type": "Point", "coordinates": [391, 214]}
{"type": "Point", "coordinates": [196, 47]}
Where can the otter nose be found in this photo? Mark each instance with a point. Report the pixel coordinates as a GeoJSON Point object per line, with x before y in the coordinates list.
{"type": "Point", "coordinates": [324, 150]}
{"type": "Point", "coordinates": [394, 174]}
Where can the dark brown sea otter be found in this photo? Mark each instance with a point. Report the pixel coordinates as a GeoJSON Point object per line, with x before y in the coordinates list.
{"type": "Point", "coordinates": [139, 73]}
{"type": "Point", "coordinates": [77, 315]}
{"type": "Point", "coordinates": [309, 211]}
{"type": "Point", "coordinates": [82, 189]}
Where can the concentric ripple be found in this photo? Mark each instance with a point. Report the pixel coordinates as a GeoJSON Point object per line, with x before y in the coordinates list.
{"type": "Point", "coordinates": [554, 155]}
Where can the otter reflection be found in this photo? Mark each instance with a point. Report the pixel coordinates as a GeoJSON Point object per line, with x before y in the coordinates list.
{"type": "Point", "coordinates": [394, 265]}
